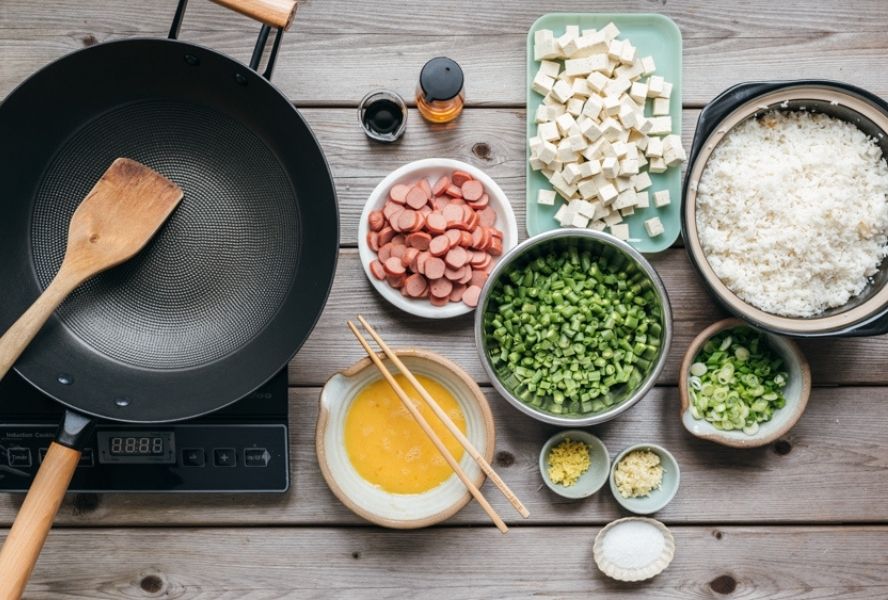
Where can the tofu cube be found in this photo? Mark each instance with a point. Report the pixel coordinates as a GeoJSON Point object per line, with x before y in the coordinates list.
{"type": "Point", "coordinates": [661, 107]}
{"type": "Point", "coordinates": [654, 148]}
{"type": "Point", "coordinates": [577, 142]}
{"type": "Point", "coordinates": [617, 86]}
{"type": "Point", "coordinates": [620, 149]}
{"type": "Point", "coordinates": [627, 54]}
{"type": "Point", "coordinates": [655, 86]}
{"type": "Point", "coordinates": [534, 143]}
{"type": "Point", "coordinates": [591, 130]}
{"type": "Point", "coordinates": [597, 81]}
{"type": "Point", "coordinates": [653, 227]}
{"type": "Point", "coordinates": [587, 189]}
{"type": "Point", "coordinates": [620, 231]}
{"type": "Point", "coordinates": [548, 132]}
{"type": "Point", "coordinates": [571, 173]}
{"type": "Point", "coordinates": [628, 117]}
{"type": "Point", "coordinates": [548, 152]}
{"type": "Point", "coordinates": [674, 156]}
{"type": "Point", "coordinates": [610, 167]}
{"type": "Point", "coordinates": [571, 32]}
{"type": "Point", "coordinates": [644, 125]}
{"type": "Point", "coordinates": [597, 225]}
{"type": "Point", "coordinates": [657, 165]}
{"type": "Point", "coordinates": [667, 90]}
{"type": "Point", "coordinates": [629, 166]}
{"type": "Point", "coordinates": [623, 183]}
{"type": "Point", "coordinates": [641, 181]}
{"type": "Point", "coordinates": [648, 66]}
{"type": "Point", "coordinates": [555, 110]}
{"type": "Point", "coordinates": [580, 88]}
{"type": "Point", "coordinates": [625, 199]}
{"type": "Point", "coordinates": [546, 49]}
{"type": "Point", "coordinates": [661, 198]}
{"type": "Point", "coordinates": [611, 105]}
{"type": "Point", "coordinates": [629, 210]}
{"type": "Point", "coordinates": [631, 72]}
{"type": "Point", "coordinates": [590, 42]}
{"type": "Point", "coordinates": [660, 125]}
{"type": "Point", "coordinates": [610, 31]}
{"type": "Point", "coordinates": [638, 92]}
{"type": "Point", "coordinates": [639, 139]}
{"type": "Point", "coordinates": [550, 68]}
{"type": "Point", "coordinates": [607, 193]}
{"type": "Point", "coordinates": [631, 150]}
{"type": "Point", "coordinates": [613, 217]}
{"type": "Point", "coordinates": [614, 49]}
{"type": "Point", "coordinates": [587, 209]}
{"type": "Point", "coordinates": [611, 129]}
{"type": "Point", "coordinates": [592, 107]}
{"type": "Point", "coordinates": [579, 220]}
{"type": "Point", "coordinates": [642, 200]}
{"type": "Point", "coordinates": [575, 106]}
{"type": "Point", "coordinates": [559, 214]}
{"type": "Point", "coordinates": [590, 168]}
{"type": "Point", "coordinates": [566, 123]}
{"type": "Point", "coordinates": [542, 114]}
{"type": "Point", "coordinates": [542, 84]}
{"type": "Point", "coordinates": [576, 67]}
{"type": "Point", "coordinates": [546, 197]}
{"type": "Point", "coordinates": [561, 91]}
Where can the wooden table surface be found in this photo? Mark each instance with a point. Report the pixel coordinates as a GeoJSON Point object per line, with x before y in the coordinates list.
{"type": "Point", "coordinates": [804, 518]}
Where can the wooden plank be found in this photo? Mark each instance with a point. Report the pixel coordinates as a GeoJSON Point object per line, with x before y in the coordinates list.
{"type": "Point", "coordinates": [754, 563]}
{"type": "Point", "coordinates": [834, 459]}
{"type": "Point", "coordinates": [340, 50]}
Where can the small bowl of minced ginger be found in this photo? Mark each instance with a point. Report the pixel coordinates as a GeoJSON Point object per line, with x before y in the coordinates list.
{"type": "Point", "coordinates": [574, 464]}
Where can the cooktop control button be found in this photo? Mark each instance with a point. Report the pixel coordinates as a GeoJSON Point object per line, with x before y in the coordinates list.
{"type": "Point", "coordinates": [225, 457]}
{"type": "Point", "coordinates": [193, 457]}
{"type": "Point", "coordinates": [19, 457]}
{"type": "Point", "coordinates": [256, 457]}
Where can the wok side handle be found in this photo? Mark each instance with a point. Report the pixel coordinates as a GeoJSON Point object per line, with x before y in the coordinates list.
{"type": "Point", "coordinates": [25, 540]}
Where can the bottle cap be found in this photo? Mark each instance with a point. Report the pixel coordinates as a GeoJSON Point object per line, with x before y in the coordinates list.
{"type": "Point", "coordinates": [441, 79]}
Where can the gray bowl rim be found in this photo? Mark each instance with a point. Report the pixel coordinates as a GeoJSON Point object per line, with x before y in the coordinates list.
{"type": "Point", "coordinates": [649, 381]}
{"type": "Point", "coordinates": [666, 498]}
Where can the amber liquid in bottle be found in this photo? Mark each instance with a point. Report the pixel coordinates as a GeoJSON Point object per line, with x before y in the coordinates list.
{"type": "Point", "coordinates": [439, 111]}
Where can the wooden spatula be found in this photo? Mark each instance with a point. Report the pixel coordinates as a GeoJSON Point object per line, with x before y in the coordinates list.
{"type": "Point", "coordinates": [116, 219]}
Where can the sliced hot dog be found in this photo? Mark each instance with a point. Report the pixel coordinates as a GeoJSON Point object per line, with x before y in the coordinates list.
{"type": "Point", "coordinates": [415, 285]}
{"type": "Point", "coordinates": [460, 177]}
{"type": "Point", "coordinates": [416, 198]}
{"type": "Point", "coordinates": [441, 288]}
{"type": "Point", "coordinates": [385, 235]}
{"type": "Point", "coordinates": [398, 250]}
{"type": "Point", "coordinates": [385, 252]}
{"type": "Point", "coordinates": [436, 223]}
{"type": "Point", "coordinates": [496, 246]}
{"type": "Point", "coordinates": [453, 191]}
{"type": "Point", "coordinates": [396, 281]}
{"type": "Point", "coordinates": [393, 265]}
{"type": "Point", "coordinates": [377, 269]}
{"type": "Point", "coordinates": [472, 295]}
{"type": "Point", "coordinates": [376, 220]}
{"type": "Point", "coordinates": [425, 187]}
{"type": "Point", "coordinates": [488, 216]}
{"type": "Point", "coordinates": [409, 257]}
{"type": "Point", "coordinates": [398, 193]}
{"type": "Point", "coordinates": [465, 239]}
{"type": "Point", "coordinates": [373, 240]}
{"type": "Point", "coordinates": [479, 278]}
{"type": "Point", "coordinates": [481, 202]}
{"type": "Point", "coordinates": [439, 245]}
{"type": "Point", "coordinates": [454, 236]}
{"type": "Point", "coordinates": [439, 301]}
{"type": "Point", "coordinates": [419, 239]}
{"type": "Point", "coordinates": [472, 190]}
{"type": "Point", "coordinates": [453, 213]}
{"type": "Point", "coordinates": [456, 257]}
{"type": "Point", "coordinates": [457, 293]}
{"type": "Point", "coordinates": [467, 275]}
{"type": "Point", "coordinates": [434, 268]}
{"type": "Point", "coordinates": [442, 184]}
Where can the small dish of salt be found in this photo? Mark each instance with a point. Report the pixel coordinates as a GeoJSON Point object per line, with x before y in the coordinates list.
{"type": "Point", "coordinates": [633, 549]}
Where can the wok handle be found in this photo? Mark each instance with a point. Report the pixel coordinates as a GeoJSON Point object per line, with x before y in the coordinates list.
{"type": "Point", "coordinates": [276, 13]}
{"type": "Point", "coordinates": [25, 540]}
{"type": "Point", "coordinates": [20, 334]}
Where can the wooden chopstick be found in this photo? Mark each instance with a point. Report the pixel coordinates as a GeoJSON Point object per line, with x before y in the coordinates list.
{"type": "Point", "coordinates": [451, 426]}
{"type": "Point", "coordinates": [473, 489]}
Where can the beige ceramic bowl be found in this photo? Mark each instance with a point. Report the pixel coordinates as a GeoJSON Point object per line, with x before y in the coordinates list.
{"type": "Point", "coordinates": [796, 392]}
{"type": "Point", "coordinates": [400, 511]}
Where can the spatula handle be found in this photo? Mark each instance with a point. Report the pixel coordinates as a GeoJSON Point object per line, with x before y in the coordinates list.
{"type": "Point", "coordinates": [34, 520]}
{"type": "Point", "coordinates": [17, 337]}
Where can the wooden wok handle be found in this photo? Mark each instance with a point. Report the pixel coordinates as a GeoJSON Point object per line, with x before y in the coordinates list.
{"type": "Point", "coordinates": [34, 520]}
{"type": "Point", "coordinates": [17, 337]}
{"type": "Point", "coordinates": [277, 13]}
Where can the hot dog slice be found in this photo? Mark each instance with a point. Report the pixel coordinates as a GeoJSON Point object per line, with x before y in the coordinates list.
{"type": "Point", "coordinates": [472, 295]}
{"type": "Point", "coordinates": [460, 177]}
{"type": "Point", "coordinates": [472, 190]}
{"type": "Point", "coordinates": [434, 268]}
{"type": "Point", "coordinates": [377, 269]}
{"type": "Point", "coordinates": [441, 288]}
{"type": "Point", "coordinates": [416, 198]}
{"type": "Point", "coordinates": [399, 193]}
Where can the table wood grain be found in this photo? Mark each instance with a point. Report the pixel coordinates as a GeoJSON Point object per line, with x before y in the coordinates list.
{"type": "Point", "coordinates": [803, 518]}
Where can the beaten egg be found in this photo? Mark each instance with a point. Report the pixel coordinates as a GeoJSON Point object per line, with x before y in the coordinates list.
{"type": "Point", "coordinates": [386, 445]}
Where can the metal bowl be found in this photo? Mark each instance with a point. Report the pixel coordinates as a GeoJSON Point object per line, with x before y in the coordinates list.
{"type": "Point", "coordinates": [866, 313]}
{"type": "Point", "coordinates": [585, 239]}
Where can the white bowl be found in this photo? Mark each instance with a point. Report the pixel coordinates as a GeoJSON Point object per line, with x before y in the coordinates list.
{"type": "Point", "coordinates": [433, 168]}
{"type": "Point", "coordinates": [400, 511]}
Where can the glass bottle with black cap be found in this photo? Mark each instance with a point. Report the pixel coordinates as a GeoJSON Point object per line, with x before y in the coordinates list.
{"type": "Point", "coordinates": [440, 94]}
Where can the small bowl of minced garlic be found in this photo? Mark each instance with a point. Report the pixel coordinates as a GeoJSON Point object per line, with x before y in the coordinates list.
{"type": "Point", "coordinates": [574, 464]}
{"type": "Point", "coordinates": [644, 478]}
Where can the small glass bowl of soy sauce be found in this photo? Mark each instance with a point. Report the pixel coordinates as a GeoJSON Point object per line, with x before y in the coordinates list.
{"type": "Point", "coordinates": [383, 116]}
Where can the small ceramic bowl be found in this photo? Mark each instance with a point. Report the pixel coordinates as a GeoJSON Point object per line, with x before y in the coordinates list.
{"type": "Point", "coordinates": [657, 564]}
{"type": "Point", "coordinates": [658, 498]}
{"type": "Point", "coordinates": [590, 481]}
{"type": "Point", "coordinates": [400, 511]}
{"type": "Point", "coordinates": [433, 169]}
{"type": "Point", "coordinates": [797, 391]}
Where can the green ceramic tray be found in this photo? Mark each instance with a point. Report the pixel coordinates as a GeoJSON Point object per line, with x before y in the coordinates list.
{"type": "Point", "coordinates": [653, 35]}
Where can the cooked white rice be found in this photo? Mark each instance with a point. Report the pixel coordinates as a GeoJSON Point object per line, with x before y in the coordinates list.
{"type": "Point", "coordinates": [792, 212]}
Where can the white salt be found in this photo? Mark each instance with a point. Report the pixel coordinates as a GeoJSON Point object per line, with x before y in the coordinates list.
{"type": "Point", "coordinates": [633, 544]}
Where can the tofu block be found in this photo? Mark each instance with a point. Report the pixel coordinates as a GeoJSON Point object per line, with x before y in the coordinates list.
{"type": "Point", "coordinates": [610, 31]}
{"type": "Point", "coordinates": [654, 147]}
{"type": "Point", "coordinates": [590, 42]}
{"type": "Point", "coordinates": [561, 91]}
{"type": "Point", "coordinates": [576, 67]}
{"type": "Point", "coordinates": [593, 106]}
{"type": "Point", "coordinates": [591, 130]}
{"type": "Point", "coordinates": [655, 86]}
{"type": "Point", "coordinates": [660, 125]}
{"type": "Point", "coordinates": [589, 168]}
{"type": "Point", "coordinates": [613, 217]}
{"type": "Point", "coordinates": [550, 68]}
{"type": "Point", "coordinates": [627, 54]}
{"type": "Point", "coordinates": [611, 129]}
{"type": "Point", "coordinates": [548, 152]}
{"type": "Point", "coordinates": [575, 106]}
{"type": "Point", "coordinates": [579, 220]}
{"type": "Point", "coordinates": [625, 199]}
{"type": "Point", "coordinates": [620, 149]}
{"type": "Point", "coordinates": [597, 81]}
{"type": "Point", "coordinates": [546, 49]}
{"type": "Point", "coordinates": [661, 198]}
{"type": "Point", "coordinates": [587, 209]}
{"type": "Point", "coordinates": [611, 105]}
{"type": "Point", "coordinates": [614, 49]}
{"type": "Point", "coordinates": [571, 173]}
{"type": "Point", "coordinates": [641, 181]}
{"type": "Point", "coordinates": [638, 91]}
{"type": "Point", "coordinates": [566, 155]}
{"type": "Point", "coordinates": [620, 231]}
{"type": "Point", "coordinates": [610, 167]}
{"type": "Point", "coordinates": [542, 114]}
{"type": "Point", "coordinates": [559, 214]}
{"type": "Point", "coordinates": [536, 164]}
{"type": "Point", "coordinates": [534, 143]}
{"type": "Point", "coordinates": [653, 227]}
{"type": "Point", "coordinates": [660, 107]}
{"type": "Point", "coordinates": [642, 200]}
{"type": "Point", "coordinates": [566, 123]}
{"type": "Point", "coordinates": [629, 210]}
{"type": "Point", "coordinates": [548, 132]}
{"type": "Point", "coordinates": [597, 225]}
{"type": "Point", "coordinates": [577, 142]}
{"type": "Point", "coordinates": [629, 166]}
{"type": "Point", "coordinates": [580, 88]}
{"type": "Point", "coordinates": [644, 125]}
{"type": "Point", "coordinates": [631, 72]}
{"type": "Point", "coordinates": [542, 84]}
{"type": "Point", "coordinates": [571, 33]}
{"type": "Point", "coordinates": [657, 165]}
{"type": "Point", "coordinates": [546, 197]}
{"type": "Point", "coordinates": [617, 86]}
{"type": "Point", "coordinates": [587, 189]}
{"type": "Point", "coordinates": [628, 117]}
{"type": "Point", "coordinates": [648, 66]}
{"type": "Point", "coordinates": [667, 90]}
{"type": "Point", "coordinates": [607, 193]}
